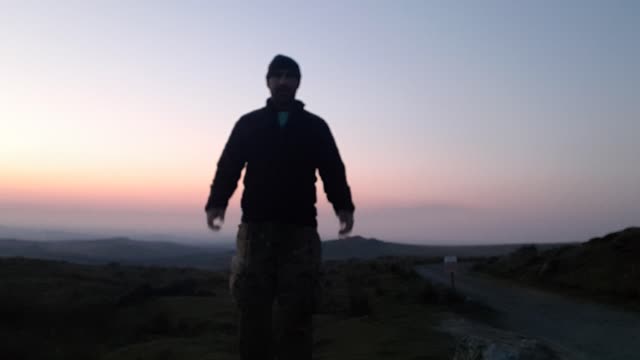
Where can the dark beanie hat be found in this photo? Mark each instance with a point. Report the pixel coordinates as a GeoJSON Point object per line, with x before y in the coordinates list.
{"type": "Point", "coordinates": [281, 62]}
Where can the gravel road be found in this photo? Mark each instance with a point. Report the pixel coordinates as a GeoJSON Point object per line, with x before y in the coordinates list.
{"type": "Point", "coordinates": [587, 329]}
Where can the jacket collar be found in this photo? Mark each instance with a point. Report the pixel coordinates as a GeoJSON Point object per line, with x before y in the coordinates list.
{"type": "Point", "coordinates": [295, 107]}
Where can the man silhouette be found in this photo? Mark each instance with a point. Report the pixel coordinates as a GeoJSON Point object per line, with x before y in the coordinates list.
{"type": "Point", "coordinates": [278, 253]}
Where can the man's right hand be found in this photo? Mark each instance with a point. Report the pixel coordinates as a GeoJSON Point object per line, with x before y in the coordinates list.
{"type": "Point", "coordinates": [212, 215]}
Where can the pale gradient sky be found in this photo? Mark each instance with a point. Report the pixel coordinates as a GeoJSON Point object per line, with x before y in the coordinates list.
{"type": "Point", "coordinates": [473, 122]}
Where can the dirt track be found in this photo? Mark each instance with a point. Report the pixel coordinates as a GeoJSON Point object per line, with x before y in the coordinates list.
{"type": "Point", "coordinates": [586, 329]}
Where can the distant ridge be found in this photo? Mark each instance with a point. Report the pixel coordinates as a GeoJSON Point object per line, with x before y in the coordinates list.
{"type": "Point", "coordinates": [117, 249]}
{"type": "Point", "coordinates": [16, 232]}
{"type": "Point", "coordinates": [214, 257]}
{"type": "Point", "coordinates": [53, 234]}
{"type": "Point", "coordinates": [360, 247]}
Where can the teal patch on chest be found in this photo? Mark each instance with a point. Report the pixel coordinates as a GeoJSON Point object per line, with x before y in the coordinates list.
{"type": "Point", "coordinates": [283, 117]}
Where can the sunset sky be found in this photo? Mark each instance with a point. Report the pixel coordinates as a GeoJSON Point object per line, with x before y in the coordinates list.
{"type": "Point", "coordinates": [473, 122]}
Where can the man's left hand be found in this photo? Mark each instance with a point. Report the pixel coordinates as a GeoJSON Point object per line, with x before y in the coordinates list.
{"type": "Point", "coordinates": [346, 222]}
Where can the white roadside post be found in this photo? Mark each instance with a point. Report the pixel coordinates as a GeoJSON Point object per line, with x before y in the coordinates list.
{"type": "Point", "coordinates": [451, 266]}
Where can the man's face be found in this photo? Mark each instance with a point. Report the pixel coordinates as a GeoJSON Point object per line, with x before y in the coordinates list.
{"type": "Point", "coordinates": [283, 85]}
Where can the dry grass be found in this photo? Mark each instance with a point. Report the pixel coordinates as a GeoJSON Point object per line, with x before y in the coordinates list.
{"type": "Point", "coordinates": [52, 310]}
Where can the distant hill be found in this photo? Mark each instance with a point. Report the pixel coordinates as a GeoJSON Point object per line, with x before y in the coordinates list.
{"type": "Point", "coordinates": [16, 232]}
{"type": "Point", "coordinates": [214, 257]}
{"type": "Point", "coordinates": [123, 250]}
{"type": "Point", "coordinates": [52, 234]}
{"type": "Point", "coordinates": [608, 265]}
{"type": "Point", "coordinates": [359, 247]}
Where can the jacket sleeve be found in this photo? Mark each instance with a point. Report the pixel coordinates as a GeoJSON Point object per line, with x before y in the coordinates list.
{"type": "Point", "coordinates": [230, 166]}
{"type": "Point", "coordinates": [332, 171]}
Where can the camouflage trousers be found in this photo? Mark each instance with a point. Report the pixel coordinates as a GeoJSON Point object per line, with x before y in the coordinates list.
{"type": "Point", "coordinates": [275, 284]}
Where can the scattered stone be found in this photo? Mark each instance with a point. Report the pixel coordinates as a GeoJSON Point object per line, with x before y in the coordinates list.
{"type": "Point", "coordinates": [477, 348]}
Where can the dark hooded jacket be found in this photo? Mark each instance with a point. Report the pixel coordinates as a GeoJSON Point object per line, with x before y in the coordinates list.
{"type": "Point", "coordinates": [279, 181]}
